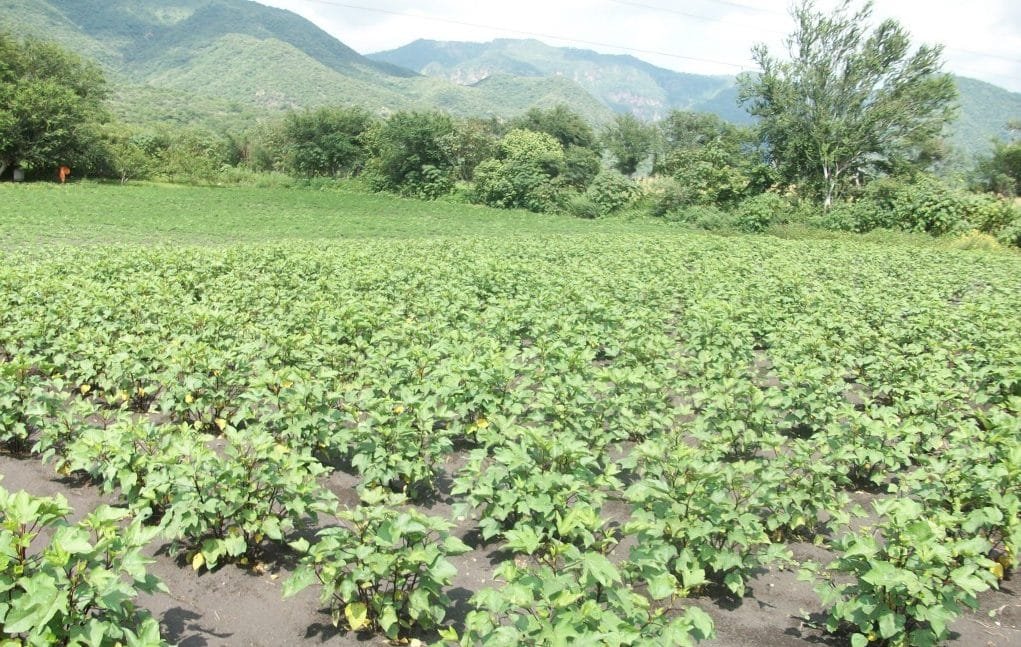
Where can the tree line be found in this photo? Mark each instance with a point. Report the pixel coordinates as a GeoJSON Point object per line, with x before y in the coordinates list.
{"type": "Point", "coordinates": [849, 130]}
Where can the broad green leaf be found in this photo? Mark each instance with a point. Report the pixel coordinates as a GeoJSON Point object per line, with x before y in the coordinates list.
{"type": "Point", "coordinates": [357, 615]}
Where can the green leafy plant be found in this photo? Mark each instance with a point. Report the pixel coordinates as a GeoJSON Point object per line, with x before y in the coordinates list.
{"type": "Point", "coordinates": [384, 569]}
{"type": "Point", "coordinates": [910, 580]}
{"type": "Point", "coordinates": [576, 595]}
{"type": "Point", "coordinates": [72, 583]}
{"type": "Point", "coordinates": [698, 518]}
{"type": "Point", "coordinates": [27, 402]}
{"type": "Point", "coordinates": [532, 479]}
{"type": "Point", "coordinates": [227, 505]}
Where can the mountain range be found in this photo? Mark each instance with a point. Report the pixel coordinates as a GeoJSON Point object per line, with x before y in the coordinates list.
{"type": "Point", "coordinates": [221, 61]}
{"type": "Point", "coordinates": [622, 83]}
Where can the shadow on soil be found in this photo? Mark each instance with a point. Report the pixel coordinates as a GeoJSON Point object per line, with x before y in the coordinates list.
{"type": "Point", "coordinates": [181, 627]}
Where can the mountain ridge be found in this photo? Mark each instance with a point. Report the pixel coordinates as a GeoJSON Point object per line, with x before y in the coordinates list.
{"type": "Point", "coordinates": [266, 59]}
{"type": "Point", "coordinates": [650, 91]}
{"type": "Point", "coordinates": [239, 57]}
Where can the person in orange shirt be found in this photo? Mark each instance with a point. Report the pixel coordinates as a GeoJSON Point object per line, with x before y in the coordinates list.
{"type": "Point", "coordinates": [64, 173]}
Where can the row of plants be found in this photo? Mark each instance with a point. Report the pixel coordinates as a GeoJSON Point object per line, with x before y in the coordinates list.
{"type": "Point", "coordinates": [637, 421]}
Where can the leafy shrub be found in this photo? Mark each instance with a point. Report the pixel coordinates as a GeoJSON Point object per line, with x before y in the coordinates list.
{"type": "Point", "coordinates": [78, 587]}
{"type": "Point", "coordinates": [227, 505]}
{"type": "Point", "coordinates": [1001, 171]}
{"type": "Point", "coordinates": [924, 205]}
{"type": "Point", "coordinates": [758, 213]}
{"type": "Point", "coordinates": [932, 208]}
{"type": "Point", "coordinates": [507, 185]}
{"type": "Point", "coordinates": [975, 239]}
{"type": "Point", "coordinates": [325, 141]}
{"type": "Point", "coordinates": [708, 176]}
{"type": "Point", "coordinates": [612, 191]}
{"type": "Point", "coordinates": [842, 216]}
{"type": "Point", "coordinates": [705, 217]}
{"type": "Point", "coordinates": [524, 176]}
{"type": "Point", "coordinates": [1011, 234]}
{"type": "Point", "coordinates": [990, 214]}
{"type": "Point", "coordinates": [384, 569]}
{"type": "Point", "coordinates": [582, 206]}
{"type": "Point", "coordinates": [409, 155]}
{"type": "Point", "coordinates": [581, 166]}
{"type": "Point", "coordinates": [909, 579]}
{"type": "Point", "coordinates": [578, 595]}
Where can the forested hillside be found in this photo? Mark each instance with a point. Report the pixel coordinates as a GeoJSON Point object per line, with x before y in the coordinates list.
{"type": "Point", "coordinates": [240, 56]}
{"type": "Point", "coordinates": [208, 61]}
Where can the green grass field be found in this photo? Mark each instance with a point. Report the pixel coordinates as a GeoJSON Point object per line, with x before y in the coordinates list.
{"type": "Point", "coordinates": [89, 213]}
{"type": "Point", "coordinates": [645, 420]}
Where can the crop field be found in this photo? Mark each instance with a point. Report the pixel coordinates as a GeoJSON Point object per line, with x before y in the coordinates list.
{"type": "Point", "coordinates": [328, 417]}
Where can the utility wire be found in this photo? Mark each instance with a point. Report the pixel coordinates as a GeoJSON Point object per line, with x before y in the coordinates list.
{"type": "Point", "coordinates": [593, 43]}
{"type": "Point", "coordinates": [686, 14]}
{"type": "Point", "coordinates": [678, 12]}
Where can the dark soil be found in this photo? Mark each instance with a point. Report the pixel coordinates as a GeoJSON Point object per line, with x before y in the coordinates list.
{"type": "Point", "coordinates": [244, 606]}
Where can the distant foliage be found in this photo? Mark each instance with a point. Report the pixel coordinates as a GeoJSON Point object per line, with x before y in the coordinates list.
{"type": "Point", "coordinates": [629, 142]}
{"type": "Point", "coordinates": [565, 125]}
{"type": "Point", "coordinates": [326, 142]}
{"type": "Point", "coordinates": [707, 175]}
{"type": "Point", "coordinates": [525, 175]}
{"type": "Point", "coordinates": [759, 213]}
{"type": "Point", "coordinates": [581, 166]}
{"type": "Point", "coordinates": [51, 102]}
{"type": "Point", "coordinates": [408, 154]}
{"type": "Point", "coordinates": [611, 191]}
{"type": "Point", "coordinates": [1001, 171]}
{"type": "Point", "coordinates": [470, 143]}
{"type": "Point", "coordinates": [923, 205]}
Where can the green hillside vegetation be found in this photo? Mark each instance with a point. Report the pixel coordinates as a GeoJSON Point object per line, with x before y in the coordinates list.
{"type": "Point", "coordinates": [627, 84]}
{"type": "Point", "coordinates": [238, 56]}
{"type": "Point", "coordinates": [203, 94]}
{"type": "Point", "coordinates": [271, 74]}
{"type": "Point", "coordinates": [516, 95]}
{"type": "Point", "coordinates": [985, 112]}
{"type": "Point", "coordinates": [622, 83]}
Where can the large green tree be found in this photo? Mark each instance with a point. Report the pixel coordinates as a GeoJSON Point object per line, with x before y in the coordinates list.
{"type": "Point", "coordinates": [849, 102]}
{"type": "Point", "coordinates": [50, 103]}
{"type": "Point", "coordinates": [326, 141]}
{"type": "Point", "coordinates": [629, 141]}
{"type": "Point", "coordinates": [1001, 171]}
{"type": "Point", "coordinates": [409, 154]}
{"type": "Point", "coordinates": [567, 126]}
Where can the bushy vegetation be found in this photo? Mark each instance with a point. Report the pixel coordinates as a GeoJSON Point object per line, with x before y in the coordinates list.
{"type": "Point", "coordinates": [695, 169]}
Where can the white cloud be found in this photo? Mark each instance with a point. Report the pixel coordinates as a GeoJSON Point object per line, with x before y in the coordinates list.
{"type": "Point", "coordinates": [982, 37]}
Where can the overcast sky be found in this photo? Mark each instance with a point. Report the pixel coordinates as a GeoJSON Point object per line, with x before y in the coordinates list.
{"type": "Point", "coordinates": [982, 37]}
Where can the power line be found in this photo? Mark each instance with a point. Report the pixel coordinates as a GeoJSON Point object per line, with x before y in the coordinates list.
{"type": "Point", "coordinates": [686, 14]}
{"type": "Point", "coordinates": [745, 6]}
{"type": "Point", "coordinates": [983, 54]}
{"type": "Point", "coordinates": [617, 46]}
{"type": "Point", "coordinates": [591, 43]}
